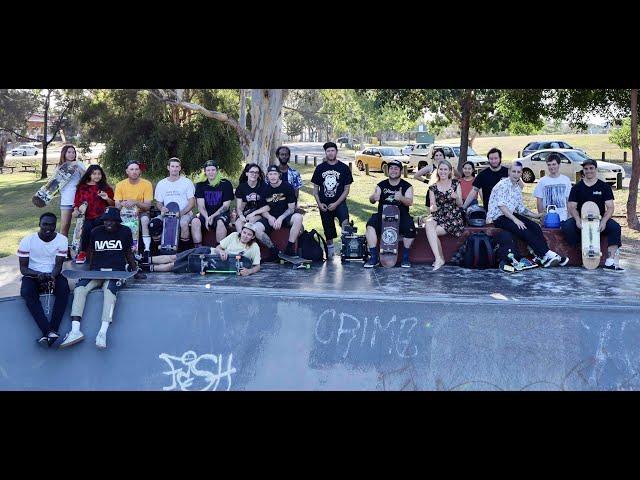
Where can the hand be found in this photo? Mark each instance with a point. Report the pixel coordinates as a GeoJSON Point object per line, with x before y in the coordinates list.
{"type": "Point", "coordinates": [397, 195]}
{"type": "Point", "coordinates": [332, 206]}
{"type": "Point", "coordinates": [43, 277]}
{"type": "Point", "coordinates": [520, 224]}
{"type": "Point", "coordinates": [163, 209]}
{"type": "Point", "coordinates": [603, 225]}
{"type": "Point", "coordinates": [75, 213]}
{"type": "Point", "coordinates": [103, 195]}
{"type": "Point", "coordinates": [209, 221]}
{"type": "Point", "coordinates": [323, 207]}
{"type": "Point", "coordinates": [579, 223]}
{"type": "Point", "coordinates": [139, 275]}
{"type": "Point", "coordinates": [244, 219]}
{"type": "Point", "coordinates": [224, 255]}
{"type": "Point", "coordinates": [244, 272]}
{"type": "Point", "coordinates": [376, 196]}
{"type": "Point", "coordinates": [453, 194]}
{"type": "Point", "coordinates": [271, 220]}
{"type": "Point", "coordinates": [277, 224]}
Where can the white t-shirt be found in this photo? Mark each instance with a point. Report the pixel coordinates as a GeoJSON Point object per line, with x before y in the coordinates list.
{"type": "Point", "coordinates": [42, 255]}
{"type": "Point", "coordinates": [68, 193]}
{"type": "Point", "coordinates": [554, 191]}
{"type": "Point", "coordinates": [180, 191]}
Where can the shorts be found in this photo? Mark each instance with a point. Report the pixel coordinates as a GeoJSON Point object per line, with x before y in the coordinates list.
{"type": "Point", "coordinates": [286, 222]}
{"type": "Point", "coordinates": [223, 216]}
{"type": "Point", "coordinates": [407, 227]}
{"type": "Point", "coordinates": [66, 208]}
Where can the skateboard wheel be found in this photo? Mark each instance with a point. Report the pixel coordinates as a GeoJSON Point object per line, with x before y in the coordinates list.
{"type": "Point", "coordinates": [307, 266]}
{"type": "Point", "coordinates": [281, 262]}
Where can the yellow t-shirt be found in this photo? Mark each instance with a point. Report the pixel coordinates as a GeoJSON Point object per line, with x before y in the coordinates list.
{"type": "Point", "coordinates": [233, 245]}
{"type": "Point", "coordinates": [140, 192]}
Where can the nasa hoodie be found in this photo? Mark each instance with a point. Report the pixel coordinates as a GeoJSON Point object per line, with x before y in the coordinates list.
{"type": "Point", "coordinates": [109, 247]}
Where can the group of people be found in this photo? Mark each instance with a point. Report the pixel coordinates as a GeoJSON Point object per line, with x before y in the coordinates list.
{"type": "Point", "coordinates": [267, 204]}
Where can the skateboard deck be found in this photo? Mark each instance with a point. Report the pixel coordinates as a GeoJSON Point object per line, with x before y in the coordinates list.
{"type": "Point", "coordinates": [591, 253]}
{"type": "Point", "coordinates": [77, 231]}
{"type": "Point", "coordinates": [296, 262]}
{"type": "Point", "coordinates": [389, 235]}
{"type": "Point", "coordinates": [120, 275]}
{"type": "Point", "coordinates": [131, 219]}
{"type": "Point", "coordinates": [58, 180]}
{"type": "Point", "coordinates": [208, 263]}
{"type": "Point", "coordinates": [513, 265]}
{"type": "Point", "coordinates": [170, 230]}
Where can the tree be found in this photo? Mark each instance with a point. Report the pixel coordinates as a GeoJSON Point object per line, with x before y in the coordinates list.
{"type": "Point", "coordinates": [622, 136]}
{"type": "Point", "coordinates": [16, 106]}
{"type": "Point", "coordinates": [257, 142]}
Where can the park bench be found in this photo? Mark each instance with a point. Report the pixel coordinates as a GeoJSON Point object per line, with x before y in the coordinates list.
{"type": "Point", "coordinates": [7, 167]}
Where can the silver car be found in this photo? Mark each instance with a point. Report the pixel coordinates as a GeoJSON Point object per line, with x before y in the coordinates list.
{"type": "Point", "coordinates": [24, 150]}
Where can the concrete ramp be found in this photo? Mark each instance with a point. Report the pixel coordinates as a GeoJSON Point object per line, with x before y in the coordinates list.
{"type": "Point", "coordinates": [231, 338]}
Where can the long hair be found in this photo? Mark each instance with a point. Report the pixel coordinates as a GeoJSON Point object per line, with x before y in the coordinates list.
{"type": "Point", "coordinates": [435, 176]}
{"type": "Point", "coordinates": [243, 176]}
{"type": "Point", "coordinates": [102, 184]}
{"type": "Point", "coordinates": [473, 169]}
{"type": "Point", "coordinates": [63, 153]}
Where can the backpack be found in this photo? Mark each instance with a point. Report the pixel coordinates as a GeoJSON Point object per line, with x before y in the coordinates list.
{"type": "Point", "coordinates": [312, 246]}
{"type": "Point", "coordinates": [478, 252]}
{"type": "Point", "coordinates": [505, 243]}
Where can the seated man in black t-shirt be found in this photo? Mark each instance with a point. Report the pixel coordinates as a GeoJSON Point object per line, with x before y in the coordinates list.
{"type": "Point", "coordinates": [592, 189]}
{"type": "Point", "coordinates": [109, 249]}
{"type": "Point", "coordinates": [393, 191]}
{"type": "Point", "coordinates": [487, 179]}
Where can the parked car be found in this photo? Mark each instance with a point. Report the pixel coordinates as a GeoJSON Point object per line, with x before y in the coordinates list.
{"type": "Point", "coordinates": [24, 150]}
{"type": "Point", "coordinates": [378, 157]}
{"type": "Point", "coordinates": [348, 142]}
{"type": "Point", "coordinates": [451, 153]}
{"type": "Point", "coordinates": [408, 148]}
{"type": "Point", "coordinates": [532, 147]}
{"type": "Point", "coordinates": [570, 163]}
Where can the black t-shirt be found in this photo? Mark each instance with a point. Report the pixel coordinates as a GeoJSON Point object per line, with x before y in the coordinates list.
{"type": "Point", "coordinates": [279, 198]}
{"type": "Point", "coordinates": [109, 248]}
{"type": "Point", "coordinates": [214, 197]}
{"type": "Point", "coordinates": [388, 193]}
{"type": "Point", "coordinates": [253, 198]}
{"type": "Point", "coordinates": [331, 179]}
{"type": "Point", "coordinates": [599, 193]}
{"type": "Point", "coordinates": [486, 180]}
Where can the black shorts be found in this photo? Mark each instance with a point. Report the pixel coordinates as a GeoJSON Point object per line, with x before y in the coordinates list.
{"type": "Point", "coordinates": [286, 222]}
{"type": "Point", "coordinates": [223, 216]}
{"type": "Point", "coordinates": [407, 227]}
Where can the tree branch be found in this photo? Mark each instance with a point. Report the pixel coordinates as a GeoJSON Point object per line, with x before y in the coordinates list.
{"type": "Point", "coordinates": [19, 135]}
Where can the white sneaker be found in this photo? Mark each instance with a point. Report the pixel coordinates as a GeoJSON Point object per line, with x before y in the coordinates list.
{"type": "Point", "coordinates": [72, 338]}
{"type": "Point", "coordinates": [101, 340]}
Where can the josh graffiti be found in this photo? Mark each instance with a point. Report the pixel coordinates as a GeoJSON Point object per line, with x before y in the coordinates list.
{"type": "Point", "coordinates": [185, 374]}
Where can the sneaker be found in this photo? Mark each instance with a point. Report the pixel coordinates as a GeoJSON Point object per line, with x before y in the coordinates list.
{"type": "Point", "coordinates": [613, 268]}
{"type": "Point", "coordinates": [81, 257]}
{"type": "Point", "coordinates": [145, 259]}
{"type": "Point", "coordinates": [72, 338]}
{"type": "Point", "coordinates": [405, 264]}
{"type": "Point", "coordinates": [563, 261]}
{"type": "Point", "coordinates": [101, 340]}
{"type": "Point", "coordinates": [43, 341]}
{"type": "Point", "coordinates": [371, 263]}
{"type": "Point", "coordinates": [52, 338]}
{"type": "Point", "coordinates": [551, 261]}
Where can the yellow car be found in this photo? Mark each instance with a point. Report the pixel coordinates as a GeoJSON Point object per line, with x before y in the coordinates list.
{"type": "Point", "coordinates": [378, 157]}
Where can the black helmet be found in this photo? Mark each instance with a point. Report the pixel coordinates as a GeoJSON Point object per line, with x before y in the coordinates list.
{"type": "Point", "coordinates": [476, 216]}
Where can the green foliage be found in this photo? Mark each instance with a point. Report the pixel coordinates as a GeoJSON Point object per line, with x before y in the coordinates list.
{"type": "Point", "coordinates": [622, 136]}
{"type": "Point", "coordinates": [134, 125]}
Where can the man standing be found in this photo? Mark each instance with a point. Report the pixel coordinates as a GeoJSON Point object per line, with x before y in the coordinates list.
{"type": "Point", "coordinates": [507, 210]}
{"type": "Point", "coordinates": [41, 256]}
{"type": "Point", "coordinates": [553, 189]}
{"type": "Point", "coordinates": [109, 249]}
{"type": "Point", "coordinates": [134, 191]}
{"type": "Point", "coordinates": [213, 197]}
{"type": "Point", "coordinates": [592, 189]}
{"type": "Point", "coordinates": [288, 174]}
{"type": "Point", "coordinates": [487, 179]}
{"type": "Point", "coordinates": [393, 191]}
{"type": "Point", "coordinates": [331, 183]}
{"type": "Point", "coordinates": [179, 189]}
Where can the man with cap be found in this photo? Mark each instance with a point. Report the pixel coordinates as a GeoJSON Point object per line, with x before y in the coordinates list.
{"type": "Point", "coordinates": [213, 198]}
{"type": "Point", "coordinates": [592, 189]}
{"type": "Point", "coordinates": [135, 191]}
{"type": "Point", "coordinates": [332, 180]}
{"type": "Point", "coordinates": [288, 174]}
{"type": "Point", "coordinates": [109, 249]}
{"type": "Point", "coordinates": [393, 191]}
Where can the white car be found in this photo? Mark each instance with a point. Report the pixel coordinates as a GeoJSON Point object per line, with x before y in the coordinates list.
{"type": "Point", "coordinates": [570, 163]}
{"type": "Point", "coordinates": [407, 149]}
{"type": "Point", "coordinates": [451, 153]}
{"type": "Point", "coordinates": [24, 150]}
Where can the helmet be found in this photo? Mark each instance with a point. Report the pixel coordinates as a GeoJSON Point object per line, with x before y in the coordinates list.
{"type": "Point", "coordinates": [476, 216]}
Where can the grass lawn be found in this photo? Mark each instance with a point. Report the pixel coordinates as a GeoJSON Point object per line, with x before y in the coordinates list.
{"type": "Point", "coordinates": [19, 217]}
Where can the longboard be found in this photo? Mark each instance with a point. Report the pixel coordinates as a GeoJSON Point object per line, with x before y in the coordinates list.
{"type": "Point", "coordinates": [207, 263]}
{"type": "Point", "coordinates": [58, 180]}
{"type": "Point", "coordinates": [130, 218]}
{"type": "Point", "coordinates": [590, 215]}
{"type": "Point", "coordinates": [77, 232]}
{"type": "Point", "coordinates": [389, 236]}
{"type": "Point", "coordinates": [170, 230]}
{"type": "Point", "coordinates": [120, 275]}
{"type": "Point", "coordinates": [296, 262]}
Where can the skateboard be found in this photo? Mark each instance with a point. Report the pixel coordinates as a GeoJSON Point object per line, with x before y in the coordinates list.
{"type": "Point", "coordinates": [58, 180]}
{"type": "Point", "coordinates": [389, 236]}
{"type": "Point", "coordinates": [120, 275]}
{"type": "Point", "coordinates": [296, 262]}
{"type": "Point", "coordinates": [131, 219]}
{"type": "Point", "coordinates": [77, 232]}
{"type": "Point", "coordinates": [591, 253]}
{"type": "Point", "coordinates": [170, 230]}
{"type": "Point", "coordinates": [208, 263]}
{"type": "Point", "coordinates": [517, 265]}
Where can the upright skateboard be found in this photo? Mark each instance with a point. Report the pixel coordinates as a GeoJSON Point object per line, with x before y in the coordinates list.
{"type": "Point", "coordinates": [207, 263]}
{"type": "Point", "coordinates": [77, 232]}
{"type": "Point", "coordinates": [591, 253]}
{"type": "Point", "coordinates": [296, 262]}
{"type": "Point", "coordinates": [130, 219]}
{"type": "Point", "coordinates": [120, 275]}
{"type": "Point", "coordinates": [58, 180]}
{"type": "Point", "coordinates": [389, 235]}
{"type": "Point", "coordinates": [170, 230]}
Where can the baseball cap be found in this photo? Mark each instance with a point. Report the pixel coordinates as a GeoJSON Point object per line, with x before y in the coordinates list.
{"type": "Point", "coordinates": [211, 163]}
{"type": "Point", "coordinates": [590, 161]}
{"type": "Point", "coordinates": [330, 145]}
{"type": "Point", "coordinates": [273, 168]}
{"type": "Point", "coordinates": [397, 163]}
{"type": "Point", "coordinates": [131, 162]}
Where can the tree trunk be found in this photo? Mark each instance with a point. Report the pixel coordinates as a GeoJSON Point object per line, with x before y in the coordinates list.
{"type": "Point", "coordinates": [43, 170]}
{"type": "Point", "coordinates": [243, 108]}
{"type": "Point", "coordinates": [464, 128]}
{"type": "Point", "coordinates": [4, 139]}
{"type": "Point", "coordinates": [632, 202]}
{"type": "Point", "coordinates": [275, 142]}
{"type": "Point", "coordinates": [62, 136]}
{"type": "Point", "coordinates": [266, 110]}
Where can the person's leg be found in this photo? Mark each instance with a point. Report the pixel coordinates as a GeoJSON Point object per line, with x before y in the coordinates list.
{"type": "Point", "coordinates": [539, 246]}
{"type": "Point", "coordinates": [614, 241]}
{"type": "Point", "coordinates": [295, 224]}
{"type": "Point", "coordinates": [329, 226]}
{"type": "Point", "coordinates": [221, 223]}
{"type": "Point", "coordinates": [372, 231]}
{"type": "Point", "coordinates": [29, 291]}
{"type": "Point", "coordinates": [185, 221]}
{"type": "Point", "coordinates": [535, 238]}
{"type": "Point", "coordinates": [65, 219]}
{"type": "Point", "coordinates": [408, 232]}
{"type": "Point", "coordinates": [61, 292]}
{"type": "Point", "coordinates": [87, 226]}
{"type": "Point", "coordinates": [262, 234]}
{"type": "Point", "coordinates": [110, 290]}
{"type": "Point", "coordinates": [83, 287]}
{"type": "Point", "coordinates": [431, 229]}
{"type": "Point", "coordinates": [570, 231]}
{"type": "Point", "coordinates": [144, 226]}
{"type": "Point", "coordinates": [197, 226]}
{"type": "Point", "coordinates": [239, 225]}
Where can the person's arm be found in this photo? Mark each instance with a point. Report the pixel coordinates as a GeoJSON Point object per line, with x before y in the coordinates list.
{"type": "Point", "coordinates": [459, 196]}
{"type": "Point", "coordinates": [245, 272]}
{"type": "Point", "coordinates": [27, 272]}
{"type": "Point", "coordinates": [609, 206]}
{"type": "Point", "coordinates": [375, 196]}
{"type": "Point", "coordinates": [57, 268]}
{"type": "Point", "coordinates": [539, 205]}
{"type": "Point", "coordinates": [507, 213]}
{"type": "Point", "coordinates": [473, 195]}
{"type": "Point", "coordinates": [407, 198]}
{"type": "Point", "coordinates": [433, 207]}
{"type": "Point", "coordinates": [190, 204]}
{"type": "Point", "coordinates": [423, 171]}
{"type": "Point", "coordinates": [316, 195]}
{"type": "Point", "coordinates": [202, 209]}
{"type": "Point", "coordinates": [341, 198]}
{"type": "Point", "coordinates": [133, 266]}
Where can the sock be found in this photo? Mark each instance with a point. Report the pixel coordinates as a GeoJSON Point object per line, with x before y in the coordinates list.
{"type": "Point", "coordinates": [147, 242]}
{"type": "Point", "coordinates": [374, 253]}
{"type": "Point", "coordinates": [609, 261]}
{"type": "Point", "coordinates": [75, 326]}
{"type": "Point", "coordinates": [405, 255]}
{"type": "Point", "coordinates": [290, 248]}
{"type": "Point", "coordinates": [330, 247]}
{"type": "Point", "coordinates": [104, 327]}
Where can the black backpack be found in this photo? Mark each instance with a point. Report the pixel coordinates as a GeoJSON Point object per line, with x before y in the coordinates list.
{"type": "Point", "coordinates": [312, 246]}
{"type": "Point", "coordinates": [478, 252]}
